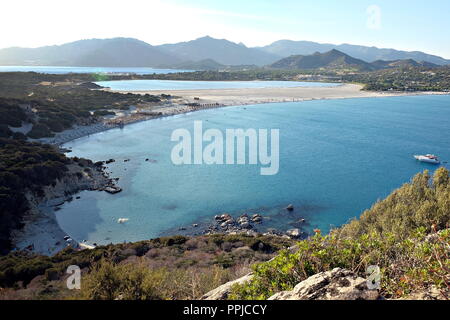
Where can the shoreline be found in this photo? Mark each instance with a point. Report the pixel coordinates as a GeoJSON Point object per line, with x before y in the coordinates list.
{"type": "Point", "coordinates": [41, 232]}
{"type": "Point", "coordinates": [185, 101]}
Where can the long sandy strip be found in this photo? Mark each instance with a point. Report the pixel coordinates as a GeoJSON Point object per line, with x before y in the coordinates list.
{"type": "Point", "coordinates": [266, 95]}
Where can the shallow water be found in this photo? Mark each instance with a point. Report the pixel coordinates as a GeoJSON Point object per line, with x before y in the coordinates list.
{"type": "Point", "coordinates": [143, 85]}
{"type": "Point", "coordinates": [337, 157]}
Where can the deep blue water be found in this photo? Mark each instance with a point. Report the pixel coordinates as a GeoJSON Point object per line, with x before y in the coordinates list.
{"type": "Point", "coordinates": [337, 157]}
{"type": "Point", "coordinates": [64, 70]}
{"type": "Point", "coordinates": [143, 85]}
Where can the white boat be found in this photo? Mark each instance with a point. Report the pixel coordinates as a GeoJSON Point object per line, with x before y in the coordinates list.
{"type": "Point", "coordinates": [122, 220]}
{"type": "Point", "coordinates": [429, 158]}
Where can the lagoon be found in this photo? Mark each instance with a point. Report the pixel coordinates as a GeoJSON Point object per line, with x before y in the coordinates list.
{"type": "Point", "coordinates": [337, 157]}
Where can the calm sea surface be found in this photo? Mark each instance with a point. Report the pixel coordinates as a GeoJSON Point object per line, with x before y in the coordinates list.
{"type": "Point", "coordinates": [64, 70]}
{"type": "Point", "coordinates": [143, 85]}
{"type": "Point", "coordinates": [336, 158]}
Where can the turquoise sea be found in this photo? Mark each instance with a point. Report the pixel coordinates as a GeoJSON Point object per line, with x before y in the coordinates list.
{"type": "Point", "coordinates": [337, 157]}
{"type": "Point", "coordinates": [66, 70]}
{"type": "Point", "coordinates": [143, 85]}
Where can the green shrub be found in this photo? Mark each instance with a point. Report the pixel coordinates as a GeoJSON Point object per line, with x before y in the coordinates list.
{"type": "Point", "coordinates": [108, 281]}
{"type": "Point", "coordinates": [40, 131]}
{"type": "Point", "coordinates": [5, 132]}
{"type": "Point", "coordinates": [21, 267]}
{"type": "Point", "coordinates": [19, 136]}
{"type": "Point", "coordinates": [100, 113]}
{"type": "Point", "coordinates": [424, 202]}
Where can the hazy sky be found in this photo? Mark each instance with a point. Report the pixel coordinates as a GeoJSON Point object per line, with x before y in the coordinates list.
{"type": "Point", "coordinates": [401, 24]}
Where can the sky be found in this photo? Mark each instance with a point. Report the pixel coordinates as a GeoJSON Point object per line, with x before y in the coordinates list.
{"type": "Point", "coordinates": [400, 24]}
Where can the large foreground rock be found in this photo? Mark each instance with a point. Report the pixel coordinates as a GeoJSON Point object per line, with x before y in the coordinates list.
{"type": "Point", "coordinates": [222, 292]}
{"type": "Point", "coordinates": [337, 284]}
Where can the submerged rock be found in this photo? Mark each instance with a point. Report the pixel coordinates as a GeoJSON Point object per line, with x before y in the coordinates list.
{"type": "Point", "coordinates": [243, 220]}
{"type": "Point", "coordinates": [223, 217]}
{"type": "Point", "coordinates": [256, 218]}
{"type": "Point", "coordinates": [246, 225]}
{"type": "Point", "coordinates": [113, 189]}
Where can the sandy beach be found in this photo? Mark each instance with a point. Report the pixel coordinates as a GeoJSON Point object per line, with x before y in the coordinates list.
{"type": "Point", "coordinates": [243, 96]}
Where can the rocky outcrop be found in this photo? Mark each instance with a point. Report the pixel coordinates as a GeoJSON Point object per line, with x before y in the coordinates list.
{"type": "Point", "coordinates": [222, 292]}
{"type": "Point", "coordinates": [337, 284]}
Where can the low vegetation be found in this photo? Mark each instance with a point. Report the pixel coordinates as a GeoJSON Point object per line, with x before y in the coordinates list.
{"type": "Point", "coordinates": [406, 235]}
{"type": "Point", "coordinates": [165, 268]}
{"type": "Point", "coordinates": [53, 103]}
{"type": "Point", "coordinates": [404, 79]}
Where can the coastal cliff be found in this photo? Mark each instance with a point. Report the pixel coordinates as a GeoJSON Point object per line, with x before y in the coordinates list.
{"type": "Point", "coordinates": [35, 178]}
{"type": "Point", "coordinates": [41, 232]}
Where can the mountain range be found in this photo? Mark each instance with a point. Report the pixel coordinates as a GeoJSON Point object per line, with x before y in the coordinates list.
{"type": "Point", "coordinates": [201, 53]}
{"type": "Point", "coordinates": [335, 59]}
{"type": "Point", "coordinates": [220, 50]}
{"type": "Point", "coordinates": [285, 48]}
{"type": "Point", "coordinates": [116, 52]}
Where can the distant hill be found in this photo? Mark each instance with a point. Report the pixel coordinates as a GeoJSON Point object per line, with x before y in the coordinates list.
{"type": "Point", "coordinates": [382, 64]}
{"type": "Point", "coordinates": [285, 48]}
{"type": "Point", "coordinates": [116, 52]}
{"type": "Point", "coordinates": [332, 59]}
{"type": "Point", "coordinates": [221, 50]}
{"type": "Point", "coordinates": [335, 59]}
